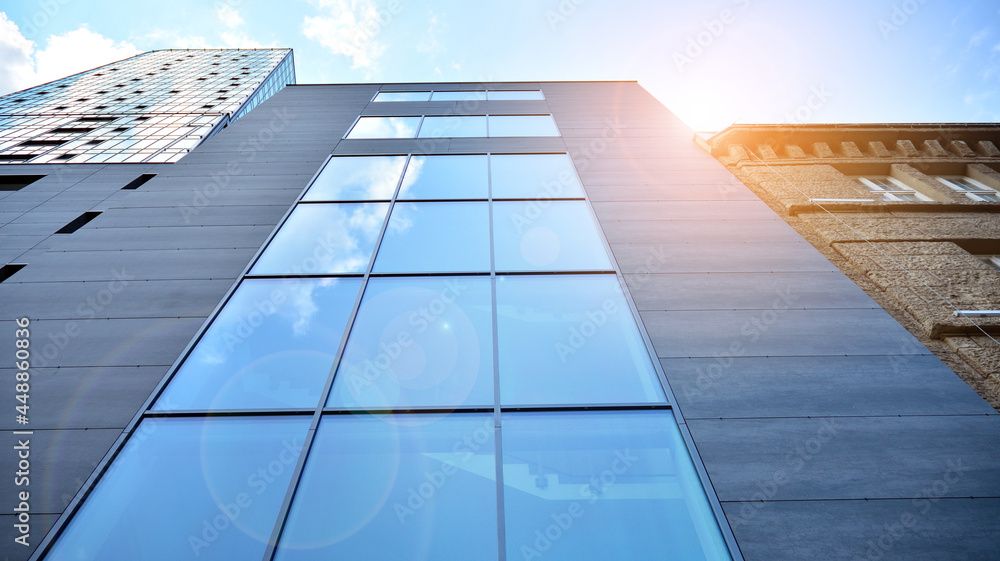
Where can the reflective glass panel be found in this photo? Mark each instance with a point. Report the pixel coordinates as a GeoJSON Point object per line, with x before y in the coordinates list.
{"type": "Point", "coordinates": [458, 96]}
{"type": "Point", "coordinates": [189, 488]}
{"type": "Point", "coordinates": [547, 236]}
{"type": "Point", "coordinates": [419, 341]}
{"type": "Point", "coordinates": [271, 346]}
{"type": "Point", "coordinates": [357, 178]}
{"type": "Point", "coordinates": [445, 177]}
{"type": "Point", "coordinates": [523, 125]}
{"type": "Point", "coordinates": [534, 176]}
{"type": "Point", "coordinates": [570, 339]}
{"type": "Point", "coordinates": [436, 237]}
{"type": "Point", "coordinates": [400, 487]}
{"type": "Point", "coordinates": [385, 127]}
{"type": "Point", "coordinates": [514, 95]}
{"type": "Point", "coordinates": [604, 485]}
{"type": "Point", "coordinates": [324, 239]}
{"type": "Point", "coordinates": [453, 126]}
{"type": "Point", "coordinates": [402, 96]}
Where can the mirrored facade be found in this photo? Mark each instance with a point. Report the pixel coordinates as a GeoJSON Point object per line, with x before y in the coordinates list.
{"type": "Point", "coordinates": [153, 107]}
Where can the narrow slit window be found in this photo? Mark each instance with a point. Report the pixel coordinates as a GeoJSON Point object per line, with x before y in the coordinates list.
{"type": "Point", "coordinates": [78, 222]}
{"type": "Point", "coordinates": [139, 181]}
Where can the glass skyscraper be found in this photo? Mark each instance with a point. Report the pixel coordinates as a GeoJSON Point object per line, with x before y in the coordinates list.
{"type": "Point", "coordinates": [153, 107]}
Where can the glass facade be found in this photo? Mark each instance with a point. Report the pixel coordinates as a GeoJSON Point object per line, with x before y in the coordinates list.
{"type": "Point", "coordinates": [453, 126]}
{"type": "Point", "coordinates": [463, 95]}
{"type": "Point", "coordinates": [154, 107]}
{"type": "Point", "coordinates": [437, 358]}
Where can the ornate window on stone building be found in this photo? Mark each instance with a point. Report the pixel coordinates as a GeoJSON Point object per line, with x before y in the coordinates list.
{"type": "Point", "coordinates": [891, 189]}
{"type": "Point", "coordinates": [970, 188]}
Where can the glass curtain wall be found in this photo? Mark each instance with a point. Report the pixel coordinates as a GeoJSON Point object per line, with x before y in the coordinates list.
{"type": "Point", "coordinates": [432, 358]}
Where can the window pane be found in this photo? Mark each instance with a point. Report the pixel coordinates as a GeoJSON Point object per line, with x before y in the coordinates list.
{"type": "Point", "coordinates": [357, 178]}
{"type": "Point", "coordinates": [445, 177]}
{"type": "Point", "coordinates": [458, 96]}
{"type": "Point", "coordinates": [453, 126]}
{"type": "Point", "coordinates": [523, 125]}
{"type": "Point", "coordinates": [436, 237]}
{"type": "Point", "coordinates": [189, 488]}
{"type": "Point", "coordinates": [604, 485]}
{"type": "Point", "coordinates": [419, 341]}
{"type": "Point", "coordinates": [547, 236]}
{"type": "Point", "coordinates": [534, 176]}
{"type": "Point", "coordinates": [570, 339]}
{"type": "Point", "coordinates": [402, 96]}
{"type": "Point", "coordinates": [324, 239]}
{"type": "Point", "coordinates": [272, 346]}
{"type": "Point", "coordinates": [396, 488]}
{"type": "Point", "coordinates": [385, 127]}
{"type": "Point", "coordinates": [514, 95]}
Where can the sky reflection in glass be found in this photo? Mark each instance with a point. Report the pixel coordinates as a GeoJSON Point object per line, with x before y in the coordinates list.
{"type": "Point", "coordinates": [396, 487]}
{"type": "Point", "coordinates": [547, 236]}
{"type": "Point", "coordinates": [453, 126]}
{"type": "Point", "coordinates": [271, 346]}
{"type": "Point", "coordinates": [523, 125]}
{"type": "Point", "coordinates": [402, 96]}
{"type": "Point", "coordinates": [385, 127]}
{"type": "Point", "coordinates": [445, 177]}
{"type": "Point", "coordinates": [570, 339]}
{"type": "Point", "coordinates": [419, 341]}
{"type": "Point", "coordinates": [324, 239]}
{"type": "Point", "coordinates": [604, 485]}
{"type": "Point", "coordinates": [436, 237]}
{"type": "Point", "coordinates": [534, 176]}
{"type": "Point", "coordinates": [175, 479]}
{"type": "Point", "coordinates": [357, 178]}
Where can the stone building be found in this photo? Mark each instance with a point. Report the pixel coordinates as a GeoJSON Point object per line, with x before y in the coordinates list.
{"type": "Point", "coordinates": [908, 211]}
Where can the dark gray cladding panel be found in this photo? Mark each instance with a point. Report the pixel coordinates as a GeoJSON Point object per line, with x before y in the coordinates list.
{"type": "Point", "coordinates": [674, 257]}
{"type": "Point", "coordinates": [779, 330]}
{"type": "Point", "coordinates": [917, 528]}
{"type": "Point", "coordinates": [78, 398]}
{"type": "Point", "coordinates": [72, 454]}
{"type": "Point", "coordinates": [823, 458]}
{"type": "Point", "coordinates": [753, 387]}
{"type": "Point", "coordinates": [743, 291]}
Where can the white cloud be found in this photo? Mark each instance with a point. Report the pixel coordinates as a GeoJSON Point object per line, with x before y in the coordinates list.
{"type": "Point", "coordinates": [429, 43]}
{"type": "Point", "coordinates": [174, 40]}
{"type": "Point", "coordinates": [17, 68]}
{"type": "Point", "coordinates": [22, 66]}
{"type": "Point", "coordinates": [232, 37]}
{"type": "Point", "coordinates": [349, 28]}
{"type": "Point", "coordinates": [240, 40]}
{"type": "Point", "coordinates": [978, 38]}
{"type": "Point", "coordinates": [76, 51]}
{"type": "Point", "coordinates": [228, 16]}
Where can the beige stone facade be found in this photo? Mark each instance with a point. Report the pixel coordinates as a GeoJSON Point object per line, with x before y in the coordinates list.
{"type": "Point", "coordinates": [909, 212]}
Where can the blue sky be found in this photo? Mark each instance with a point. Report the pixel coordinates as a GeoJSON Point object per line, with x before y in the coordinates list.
{"type": "Point", "coordinates": [712, 62]}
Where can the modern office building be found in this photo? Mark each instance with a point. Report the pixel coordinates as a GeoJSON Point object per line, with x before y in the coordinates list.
{"type": "Point", "coordinates": [491, 321]}
{"type": "Point", "coordinates": [154, 107]}
{"type": "Point", "coordinates": [907, 211]}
